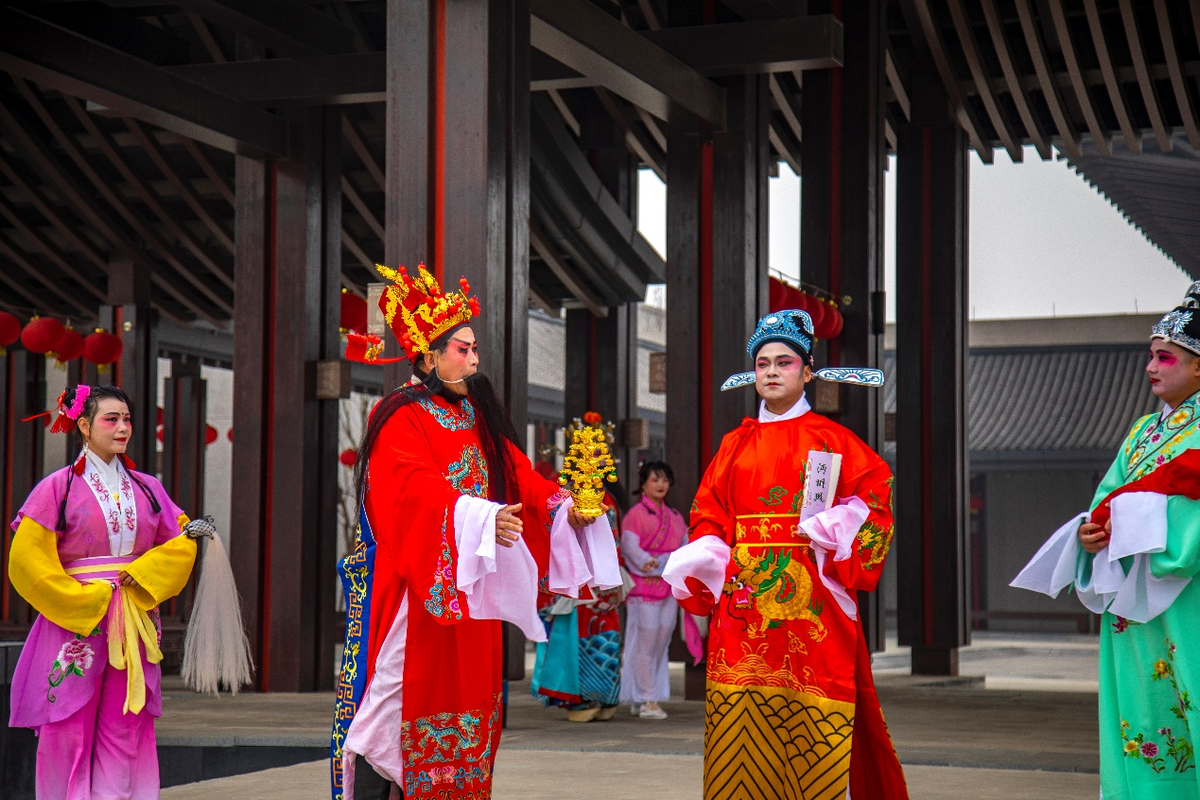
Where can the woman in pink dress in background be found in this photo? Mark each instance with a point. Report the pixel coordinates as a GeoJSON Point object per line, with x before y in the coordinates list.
{"type": "Point", "coordinates": [650, 532]}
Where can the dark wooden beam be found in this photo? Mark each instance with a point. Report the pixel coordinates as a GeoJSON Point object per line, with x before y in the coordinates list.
{"type": "Point", "coordinates": [588, 40]}
{"type": "Point", "coordinates": [38, 153]}
{"type": "Point", "coordinates": [358, 144]}
{"type": "Point", "coordinates": [70, 233]}
{"type": "Point", "coordinates": [637, 141]}
{"type": "Point", "coordinates": [107, 192]}
{"type": "Point", "coordinates": [342, 79]}
{"type": "Point", "coordinates": [1033, 126]}
{"type": "Point", "coordinates": [921, 15]}
{"type": "Point", "coordinates": [1037, 53]}
{"type": "Point", "coordinates": [566, 276]}
{"type": "Point", "coordinates": [51, 250]}
{"type": "Point", "coordinates": [58, 59]}
{"type": "Point", "coordinates": [1116, 93]}
{"type": "Point", "coordinates": [757, 47]}
{"type": "Point", "coordinates": [991, 102]}
{"type": "Point", "coordinates": [289, 27]}
{"type": "Point", "coordinates": [39, 275]}
{"type": "Point", "coordinates": [1183, 99]}
{"type": "Point", "coordinates": [1141, 67]}
{"type": "Point", "coordinates": [150, 199]}
{"type": "Point", "coordinates": [1087, 104]}
{"type": "Point", "coordinates": [183, 188]}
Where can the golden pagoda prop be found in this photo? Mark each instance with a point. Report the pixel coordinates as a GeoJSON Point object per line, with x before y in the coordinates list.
{"type": "Point", "coordinates": [588, 463]}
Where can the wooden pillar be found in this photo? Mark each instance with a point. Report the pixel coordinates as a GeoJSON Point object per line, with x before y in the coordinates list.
{"type": "Point", "coordinates": [457, 159]}
{"type": "Point", "coordinates": [185, 403]}
{"type": "Point", "coordinates": [601, 352]}
{"type": "Point", "coordinates": [716, 277]}
{"type": "Point", "coordinates": [716, 283]}
{"type": "Point", "coordinates": [932, 508]}
{"type": "Point", "coordinates": [135, 320]}
{"type": "Point", "coordinates": [842, 218]}
{"type": "Point", "coordinates": [288, 220]}
{"type": "Point", "coordinates": [21, 446]}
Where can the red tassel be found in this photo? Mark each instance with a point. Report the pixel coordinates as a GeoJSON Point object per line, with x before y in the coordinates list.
{"type": "Point", "coordinates": [36, 416]}
{"type": "Point", "coordinates": [127, 461]}
{"type": "Point", "coordinates": [62, 424]}
{"type": "Point", "coordinates": [80, 463]}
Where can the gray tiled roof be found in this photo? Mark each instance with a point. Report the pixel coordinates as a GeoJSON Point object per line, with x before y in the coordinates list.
{"type": "Point", "coordinates": [1050, 400]}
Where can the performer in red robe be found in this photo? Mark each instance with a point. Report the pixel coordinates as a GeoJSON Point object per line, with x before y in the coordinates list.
{"type": "Point", "coordinates": [776, 554]}
{"type": "Point", "coordinates": [443, 484]}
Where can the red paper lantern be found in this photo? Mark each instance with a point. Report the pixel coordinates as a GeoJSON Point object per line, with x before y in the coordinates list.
{"type": "Point", "coordinates": [69, 347]}
{"type": "Point", "coordinates": [354, 313]}
{"type": "Point", "coordinates": [833, 323]}
{"type": "Point", "coordinates": [816, 311]}
{"type": "Point", "coordinates": [210, 434]}
{"type": "Point", "coordinates": [777, 293]}
{"type": "Point", "coordinates": [158, 416]}
{"type": "Point", "coordinates": [10, 330]}
{"type": "Point", "coordinates": [102, 347]}
{"type": "Point", "coordinates": [229, 434]}
{"type": "Point", "coordinates": [348, 457]}
{"type": "Point", "coordinates": [41, 335]}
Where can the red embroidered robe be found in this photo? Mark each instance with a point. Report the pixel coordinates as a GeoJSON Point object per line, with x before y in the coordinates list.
{"type": "Point", "coordinates": [790, 693]}
{"type": "Point", "coordinates": [434, 674]}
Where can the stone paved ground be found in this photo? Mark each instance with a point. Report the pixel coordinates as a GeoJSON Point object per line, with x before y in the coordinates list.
{"type": "Point", "coordinates": [1034, 737]}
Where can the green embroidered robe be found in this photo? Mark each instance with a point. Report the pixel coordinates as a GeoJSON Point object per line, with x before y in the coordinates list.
{"type": "Point", "coordinates": [1147, 670]}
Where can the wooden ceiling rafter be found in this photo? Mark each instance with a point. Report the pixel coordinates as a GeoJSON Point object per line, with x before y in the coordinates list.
{"type": "Point", "coordinates": [653, 127]}
{"type": "Point", "coordinates": [1175, 69]}
{"type": "Point", "coordinates": [38, 199]}
{"type": "Point", "coordinates": [1083, 93]}
{"type": "Point", "coordinates": [50, 251]}
{"type": "Point", "coordinates": [941, 61]}
{"type": "Point", "coordinates": [149, 199]}
{"type": "Point", "coordinates": [564, 111]}
{"type": "Point", "coordinates": [896, 82]}
{"type": "Point", "coordinates": [1149, 93]}
{"type": "Point", "coordinates": [1032, 125]}
{"type": "Point", "coordinates": [1116, 92]}
{"type": "Point", "coordinates": [116, 202]}
{"type": "Point", "coordinates": [636, 140]}
{"type": "Point", "coordinates": [182, 187]}
{"type": "Point", "coordinates": [563, 272]}
{"type": "Point", "coordinates": [215, 178]}
{"type": "Point", "coordinates": [1067, 134]}
{"type": "Point", "coordinates": [991, 102]}
{"type": "Point", "coordinates": [38, 273]}
{"type": "Point", "coordinates": [51, 172]}
{"type": "Point", "coordinates": [783, 150]}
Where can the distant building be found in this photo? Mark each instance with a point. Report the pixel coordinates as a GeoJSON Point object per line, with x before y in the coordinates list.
{"type": "Point", "coordinates": [1050, 401]}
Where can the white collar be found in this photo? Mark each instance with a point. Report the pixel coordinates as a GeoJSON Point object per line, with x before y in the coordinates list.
{"type": "Point", "coordinates": [110, 472]}
{"type": "Point", "coordinates": [798, 410]}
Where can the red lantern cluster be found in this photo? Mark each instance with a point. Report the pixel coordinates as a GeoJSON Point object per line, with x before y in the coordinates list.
{"type": "Point", "coordinates": [42, 334]}
{"type": "Point", "coordinates": [826, 316]}
{"type": "Point", "coordinates": [354, 314]}
{"type": "Point", "coordinates": [348, 457]}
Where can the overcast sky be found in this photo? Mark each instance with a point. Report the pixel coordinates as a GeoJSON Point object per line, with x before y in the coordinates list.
{"type": "Point", "coordinates": [1043, 242]}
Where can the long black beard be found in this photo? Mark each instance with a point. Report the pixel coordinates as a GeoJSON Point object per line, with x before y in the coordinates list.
{"type": "Point", "coordinates": [493, 424]}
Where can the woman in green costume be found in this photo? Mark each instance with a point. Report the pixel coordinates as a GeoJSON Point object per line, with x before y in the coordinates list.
{"type": "Point", "coordinates": [1133, 558]}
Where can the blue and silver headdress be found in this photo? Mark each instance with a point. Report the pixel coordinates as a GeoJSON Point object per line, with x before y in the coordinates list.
{"type": "Point", "coordinates": [1182, 325]}
{"type": "Point", "coordinates": [795, 329]}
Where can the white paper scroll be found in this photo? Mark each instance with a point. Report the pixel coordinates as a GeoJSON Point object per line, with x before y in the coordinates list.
{"type": "Point", "coordinates": [820, 482]}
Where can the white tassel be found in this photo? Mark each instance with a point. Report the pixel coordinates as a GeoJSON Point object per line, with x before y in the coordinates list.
{"type": "Point", "coordinates": [216, 650]}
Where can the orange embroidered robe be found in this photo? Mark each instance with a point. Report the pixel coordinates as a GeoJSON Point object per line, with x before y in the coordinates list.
{"type": "Point", "coordinates": [791, 709]}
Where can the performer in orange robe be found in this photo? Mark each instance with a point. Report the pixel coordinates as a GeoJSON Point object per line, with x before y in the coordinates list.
{"type": "Point", "coordinates": [791, 710]}
{"type": "Point", "coordinates": [456, 533]}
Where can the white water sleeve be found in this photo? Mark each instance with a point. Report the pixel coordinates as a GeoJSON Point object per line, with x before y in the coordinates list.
{"type": "Point", "coordinates": [705, 559]}
{"type": "Point", "coordinates": [499, 582]}
{"type": "Point", "coordinates": [833, 532]}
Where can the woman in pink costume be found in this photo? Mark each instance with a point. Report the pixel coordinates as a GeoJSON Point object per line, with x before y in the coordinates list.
{"type": "Point", "coordinates": [97, 548]}
{"type": "Point", "coordinates": [650, 532]}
